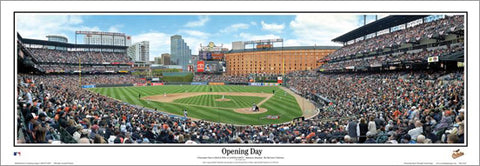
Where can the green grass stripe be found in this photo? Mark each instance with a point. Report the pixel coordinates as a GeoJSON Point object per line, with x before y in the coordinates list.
{"type": "Point", "coordinates": [202, 107]}
{"type": "Point", "coordinates": [133, 95]}
{"type": "Point", "coordinates": [209, 100]}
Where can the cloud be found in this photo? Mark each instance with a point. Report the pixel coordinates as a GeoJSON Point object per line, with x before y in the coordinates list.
{"type": "Point", "coordinates": [227, 45]}
{"type": "Point", "coordinates": [195, 33]}
{"type": "Point", "coordinates": [234, 28]}
{"type": "Point", "coordinates": [277, 28]}
{"type": "Point", "coordinates": [202, 20]}
{"type": "Point", "coordinates": [159, 42]}
{"type": "Point", "coordinates": [38, 26]}
{"type": "Point", "coordinates": [292, 42]}
{"type": "Point", "coordinates": [194, 38]}
{"type": "Point", "coordinates": [115, 28]}
{"type": "Point", "coordinates": [314, 29]}
{"type": "Point", "coordinates": [253, 23]}
{"type": "Point", "coordinates": [248, 36]}
{"type": "Point", "coordinates": [194, 43]}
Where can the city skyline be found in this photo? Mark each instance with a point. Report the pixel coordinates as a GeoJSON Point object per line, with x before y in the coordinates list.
{"type": "Point", "coordinates": [180, 51]}
{"type": "Point", "coordinates": [295, 29]}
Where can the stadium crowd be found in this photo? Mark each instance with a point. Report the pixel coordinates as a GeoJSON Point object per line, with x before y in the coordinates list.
{"type": "Point", "coordinates": [396, 57]}
{"type": "Point", "coordinates": [415, 33]}
{"type": "Point", "coordinates": [219, 78]}
{"type": "Point", "coordinates": [392, 107]}
{"type": "Point", "coordinates": [50, 68]}
{"type": "Point", "coordinates": [417, 107]}
{"type": "Point", "coordinates": [85, 57]}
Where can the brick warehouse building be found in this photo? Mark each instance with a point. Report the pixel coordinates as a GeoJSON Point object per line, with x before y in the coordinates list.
{"type": "Point", "coordinates": [276, 60]}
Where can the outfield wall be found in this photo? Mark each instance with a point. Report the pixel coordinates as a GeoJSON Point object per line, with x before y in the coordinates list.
{"type": "Point", "coordinates": [184, 83]}
{"type": "Point", "coordinates": [263, 84]}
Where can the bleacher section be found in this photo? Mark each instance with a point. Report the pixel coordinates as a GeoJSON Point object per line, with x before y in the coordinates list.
{"type": "Point", "coordinates": [441, 38]}
{"type": "Point", "coordinates": [47, 60]}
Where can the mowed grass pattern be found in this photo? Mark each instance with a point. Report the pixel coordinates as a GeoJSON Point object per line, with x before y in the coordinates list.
{"type": "Point", "coordinates": [282, 104]}
{"type": "Point", "coordinates": [209, 100]}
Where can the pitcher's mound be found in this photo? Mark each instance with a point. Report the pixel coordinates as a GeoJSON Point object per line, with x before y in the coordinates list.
{"type": "Point", "coordinates": [222, 99]}
{"type": "Point", "coordinates": [249, 110]}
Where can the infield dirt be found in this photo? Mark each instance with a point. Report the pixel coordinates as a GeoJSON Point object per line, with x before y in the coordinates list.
{"type": "Point", "coordinates": [174, 96]}
{"type": "Point", "coordinates": [307, 107]}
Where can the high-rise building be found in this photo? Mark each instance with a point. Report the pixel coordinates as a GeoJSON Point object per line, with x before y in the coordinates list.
{"type": "Point", "coordinates": [158, 60]}
{"type": "Point", "coordinates": [166, 59]}
{"type": "Point", "coordinates": [139, 52]}
{"type": "Point", "coordinates": [180, 51]}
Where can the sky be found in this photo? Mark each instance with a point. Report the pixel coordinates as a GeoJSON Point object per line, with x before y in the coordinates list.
{"type": "Point", "coordinates": [305, 29]}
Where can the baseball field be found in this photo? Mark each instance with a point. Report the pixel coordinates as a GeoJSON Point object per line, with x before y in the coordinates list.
{"type": "Point", "coordinates": [230, 104]}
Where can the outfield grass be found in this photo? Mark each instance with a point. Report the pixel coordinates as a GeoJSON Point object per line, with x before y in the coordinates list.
{"type": "Point", "coordinates": [282, 104]}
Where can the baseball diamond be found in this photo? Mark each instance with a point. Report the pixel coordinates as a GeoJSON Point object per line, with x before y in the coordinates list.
{"type": "Point", "coordinates": [201, 103]}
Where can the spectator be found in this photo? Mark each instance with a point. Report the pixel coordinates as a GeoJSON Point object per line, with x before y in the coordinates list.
{"type": "Point", "coordinates": [420, 139]}
{"type": "Point", "coordinates": [415, 132]}
{"type": "Point", "coordinates": [460, 135]}
{"type": "Point", "coordinates": [372, 128]}
{"type": "Point", "coordinates": [452, 138]}
{"type": "Point", "coordinates": [362, 130]}
{"type": "Point", "coordinates": [352, 130]}
{"type": "Point", "coordinates": [370, 139]}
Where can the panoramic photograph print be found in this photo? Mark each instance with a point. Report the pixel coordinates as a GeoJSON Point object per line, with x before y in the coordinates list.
{"type": "Point", "coordinates": [240, 78]}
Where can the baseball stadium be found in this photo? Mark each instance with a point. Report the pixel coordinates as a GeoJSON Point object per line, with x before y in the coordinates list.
{"type": "Point", "coordinates": [397, 80]}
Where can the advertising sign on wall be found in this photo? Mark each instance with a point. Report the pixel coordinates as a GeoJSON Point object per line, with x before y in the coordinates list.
{"type": "Point", "coordinates": [200, 66]}
{"type": "Point", "coordinates": [279, 80]}
{"type": "Point", "coordinates": [156, 83]}
{"type": "Point", "coordinates": [262, 84]}
{"type": "Point", "coordinates": [199, 83]}
{"type": "Point", "coordinates": [208, 67]}
{"type": "Point", "coordinates": [432, 59]}
{"type": "Point", "coordinates": [139, 84]}
{"type": "Point", "coordinates": [88, 86]}
{"type": "Point", "coordinates": [216, 83]}
{"type": "Point", "coordinates": [271, 84]}
{"type": "Point", "coordinates": [256, 84]}
{"type": "Point", "coordinates": [217, 56]}
{"type": "Point", "coordinates": [209, 55]}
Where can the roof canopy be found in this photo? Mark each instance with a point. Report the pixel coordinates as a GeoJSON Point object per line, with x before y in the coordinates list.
{"type": "Point", "coordinates": [381, 24]}
{"type": "Point", "coordinates": [289, 48]}
{"type": "Point", "coordinates": [67, 45]}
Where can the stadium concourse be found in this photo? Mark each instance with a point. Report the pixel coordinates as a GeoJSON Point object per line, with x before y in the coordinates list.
{"type": "Point", "coordinates": [419, 104]}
